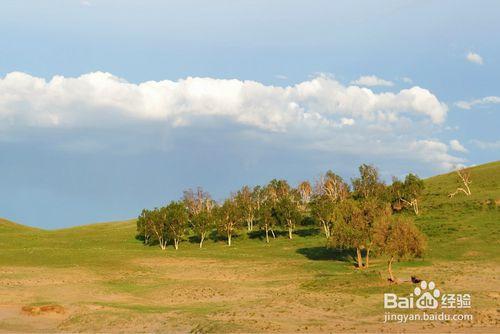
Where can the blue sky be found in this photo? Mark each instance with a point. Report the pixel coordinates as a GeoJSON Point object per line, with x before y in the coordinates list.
{"type": "Point", "coordinates": [107, 107]}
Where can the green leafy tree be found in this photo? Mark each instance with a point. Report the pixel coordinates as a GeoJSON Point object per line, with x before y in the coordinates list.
{"type": "Point", "coordinates": [407, 193]}
{"type": "Point", "coordinates": [287, 213]}
{"type": "Point", "coordinates": [177, 218]}
{"type": "Point", "coordinates": [368, 184]}
{"type": "Point", "coordinates": [228, 218]}
{"type": "Point", "coordinates": [373, 213]}
{"type": "Point", "coordinates": [399, 238]}
{"type": "Point", "coordinates": [348, 233]}
{"type": "Point", "coordinates": [155, 226]}
{"type": "Point", "coordinates": [246, 204]}
{"type": "Point", "coordinates": [267, 219]}
{"type": "Point", "coordinates": [202, 223]}
{"type": "Point", "coordinates": [142, 226]}
{"type": "Point", "coordinates": [201, 218]}
{"type": "Point", "coordinates": [323, 210]}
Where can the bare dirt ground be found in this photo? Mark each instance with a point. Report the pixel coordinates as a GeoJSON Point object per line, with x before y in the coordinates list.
{"type": "Point", "coordinates": [205, 295]}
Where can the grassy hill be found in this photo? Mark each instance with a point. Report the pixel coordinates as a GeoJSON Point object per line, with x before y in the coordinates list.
{"type": "Point", "coordinates": [108, 281]}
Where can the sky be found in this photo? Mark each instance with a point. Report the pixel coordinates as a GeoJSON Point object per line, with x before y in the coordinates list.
{"type": "Point", "coordinates": [108, 107]}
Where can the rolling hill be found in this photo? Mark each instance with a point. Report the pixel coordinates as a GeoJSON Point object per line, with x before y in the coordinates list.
{"type": "Point", "coordinates": [106, 280]}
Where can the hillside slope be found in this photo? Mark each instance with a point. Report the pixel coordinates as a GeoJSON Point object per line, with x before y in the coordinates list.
{"type": "Point", "coordinates": [110, 282]}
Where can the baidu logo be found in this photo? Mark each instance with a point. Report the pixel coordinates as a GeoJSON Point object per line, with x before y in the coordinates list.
{"type": "Point", "coordinates": [427, 297]}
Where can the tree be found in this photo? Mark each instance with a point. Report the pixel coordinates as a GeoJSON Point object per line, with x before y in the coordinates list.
{"type": "Point", "coordinates": [464, 178]}
{"type": "Point", "coordinates": [228, 218]}
{"type": "Point", "coordinates": [199, 205]}
{"type": "Point", "coordinates": [408, 192]}
{"type": "Point", "coordinates": [399, 238]}
{"type": "Point", "coordinates": [142, 226]}
{"type": "Point", "coordinates": [332, 186]}
{"type": "Point", "coordinates": [177, 218]}
{"type": "Point", "coordinates": [155, 226]}
{"type": "Point", "coordinates": [305, 191]}
{"type": "Point", "coordinates": [287, 213]}
{"type": "Point", "coordinates": [277, 189]}
{"type": "Point", "coordinates": [267, 219]}
{"type": "Point", "coordinates": [368, 184]}
{"type": "Point", "coordinates": [323, 210]}
{"type": "Point", "coordinates": [373, 213]}
{"type": "Point", "coordinates": [247, 206]}
{"type": "Point", "coordinates": [348, 219]}
{"type": "Point", "coordinates": [202, 224]}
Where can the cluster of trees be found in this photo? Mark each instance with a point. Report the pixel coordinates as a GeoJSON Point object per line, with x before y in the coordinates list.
{"type": "Point", "coordinates": [357, 216]}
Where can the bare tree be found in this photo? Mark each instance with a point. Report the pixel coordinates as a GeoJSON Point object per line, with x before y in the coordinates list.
{"type": "Point", "coordinates": [332, 186]}
{"type": "Point", "coordinates": [305, 192]}
{"type": "Point", "coordinates": [465, 179]}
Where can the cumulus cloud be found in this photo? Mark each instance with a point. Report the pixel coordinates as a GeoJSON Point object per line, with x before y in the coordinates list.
{"type": "Point", "coordinates": [456, 146]}
{"type": "Point", "coordinates": [436, 152]}
{"type": "Point", "coordinates": [474, 58]}
{"type": "Point", "coordinates": [484, 101]}
{"type": "Point", "coordinates": [102, 99]}
{"type": "Point", "coordinates": [372, 81]}
{"type": "Point", "coordinates": [320, 112]}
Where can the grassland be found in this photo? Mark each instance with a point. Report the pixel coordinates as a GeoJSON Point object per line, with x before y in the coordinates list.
{"type": "Point", "coordinates": [107, 281]}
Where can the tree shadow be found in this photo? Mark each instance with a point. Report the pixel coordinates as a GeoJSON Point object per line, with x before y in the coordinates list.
{"type": "Point", "coordinates": [325, 254]}
{"type": "Point", "coordinates": [257, 234]}
{"type": "Point", "coordinates": [307, 232]}
{"type": "Point", "coordinates": [194, 239]}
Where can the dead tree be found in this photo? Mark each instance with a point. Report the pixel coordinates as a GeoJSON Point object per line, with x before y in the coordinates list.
{"type": "Point", "coordinates": [464, 178]}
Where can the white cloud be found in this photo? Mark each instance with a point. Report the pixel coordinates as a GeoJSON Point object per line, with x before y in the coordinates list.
{"type": "Point", "coordinates": [456, 146]}
{"type": "Point", "coordinates": [320, 113]}
{"type": "Point", "coordinates": [436, 152]}
{"type": "Point", "coordinates": [474, 58]}
{"type": "Point", "coordinates": [371, 81]}
{"type": "Point", "coordinates": [407, 80]}
{"type": "Point", "coordinates": [281, 76]}
{"type": "Point", "coordinates": [484, 101]}
{"type": "Point", "coordinates": [101, 99]}
{"type": "Point", "coordinates": [485, 145]}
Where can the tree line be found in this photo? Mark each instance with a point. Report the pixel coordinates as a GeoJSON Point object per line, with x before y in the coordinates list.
{"type": "Point", "coordinates": [359, 216]}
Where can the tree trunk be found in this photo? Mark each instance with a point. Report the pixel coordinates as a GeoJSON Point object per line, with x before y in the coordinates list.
{"type": "Point", "coordinates": [367, 258]}
{"type": "Point", "coordinates": [202, 239]}
{"type": "Point", "coordinates": [359, 257]}
{"type": "Point", "coordinates": [176, 244]}
{"type": "Point", "coordinates": [272, 232]}
{"type": "Point", "coordinates": [327, 230]}
{"type": "Point", "coordinates": [267, 234]}
{"type": "Point", "coordinates": [415, 206]}
{"type": "Point", "coordinates": [249, 225]}
{"type": "Point", "coordinates": [290, 230]}
{"type": "Point", "coordinates": [229, 239]}
{"type": "Point", "coordinates": [389, 268]}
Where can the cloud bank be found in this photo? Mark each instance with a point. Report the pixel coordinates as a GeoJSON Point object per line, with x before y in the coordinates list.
{"type": "Point", "coordinates": [320, 110]}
